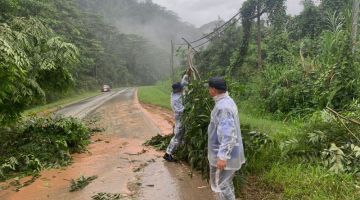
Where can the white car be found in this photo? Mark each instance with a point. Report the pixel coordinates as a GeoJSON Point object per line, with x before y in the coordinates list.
{"type": "Point", "coordinates": [106, 88]}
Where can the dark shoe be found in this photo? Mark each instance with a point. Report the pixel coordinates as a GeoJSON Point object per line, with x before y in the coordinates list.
{"type": "Point", "coordinates": [169, 158]}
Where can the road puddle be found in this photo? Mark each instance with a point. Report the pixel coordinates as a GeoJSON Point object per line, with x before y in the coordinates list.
{"type": "Point", "coordinates": [175, 181]}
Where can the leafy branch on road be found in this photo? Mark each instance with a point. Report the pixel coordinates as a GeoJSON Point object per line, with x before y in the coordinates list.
{"type": "Point", "coordinates": [40, 143]}
{"type": "Point", "coordinates": [81, 183]}
{"type": "Point", "coordinates": [159, 142]}
{"type": "Point", "coordinates": [106, 196]}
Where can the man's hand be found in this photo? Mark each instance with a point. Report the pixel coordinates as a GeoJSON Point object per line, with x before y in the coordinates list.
{"type": "Point", "coordinates": [221, 164]}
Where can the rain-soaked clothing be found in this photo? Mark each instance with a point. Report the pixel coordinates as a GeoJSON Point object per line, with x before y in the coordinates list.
{"type": "Point", "coordinates": [178, 109]}
{"type": "Point", "coordinates": [222, 183]}
{"type": "Point", "coordinates": [224, 143]}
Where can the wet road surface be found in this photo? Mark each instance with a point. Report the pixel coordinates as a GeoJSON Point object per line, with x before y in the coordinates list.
{"type": "Point", "coordinates": [123, 165]}
{"type": "Point", "coordinates": [85, 107]}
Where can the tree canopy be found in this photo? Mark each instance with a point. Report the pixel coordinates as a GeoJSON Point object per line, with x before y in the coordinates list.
{"type": "Point", "coordinates": [49, 47]}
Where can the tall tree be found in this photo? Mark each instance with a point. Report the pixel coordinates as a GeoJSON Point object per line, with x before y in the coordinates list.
{"type": "Point", "coordinates": [254, 9]}
{"type": "Point", "coordinates": [309, 23]}
{"type": "Point", "coordinates": [49, 47]}
{"type": "Point", "coordinates": [333, 6]}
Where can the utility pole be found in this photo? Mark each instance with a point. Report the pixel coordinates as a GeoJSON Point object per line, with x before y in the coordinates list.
{"type": "Point", "coordinates": [172, 62]}
{"type": "Point", "coordinates": [355, 20]}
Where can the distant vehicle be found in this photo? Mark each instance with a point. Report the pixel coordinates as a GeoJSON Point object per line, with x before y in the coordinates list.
{"type": "Point", "coordinates": [106, 88]}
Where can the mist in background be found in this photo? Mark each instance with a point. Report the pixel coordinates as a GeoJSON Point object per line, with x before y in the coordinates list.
{"type": "Point", "coordinates": [200, 12]}
{"type": "Point", "coordinates": [160, 21]}
{"type": "Point", "coordinates": [144, 18]}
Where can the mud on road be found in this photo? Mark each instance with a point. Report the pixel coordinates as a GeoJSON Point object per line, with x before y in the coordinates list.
{"type": "Point", "coordinates": [119, 159]}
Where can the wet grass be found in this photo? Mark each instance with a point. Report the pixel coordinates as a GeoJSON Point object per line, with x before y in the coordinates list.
{"type": "Point", "coordinates": [278, 130]}
{"type": "Point", "coordinates": [157, 95]}
{"type": "Point", "coordinates": [308, 182]}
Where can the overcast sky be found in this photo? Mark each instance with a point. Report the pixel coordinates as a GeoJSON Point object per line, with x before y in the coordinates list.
{"type": "Point", "coordinates": [199, 12]}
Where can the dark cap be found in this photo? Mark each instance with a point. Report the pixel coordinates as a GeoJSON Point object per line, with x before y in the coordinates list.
{"type": "Point", "coordinates": [218, 83]}
{"type": "Point", "coordinates": [177, 87]}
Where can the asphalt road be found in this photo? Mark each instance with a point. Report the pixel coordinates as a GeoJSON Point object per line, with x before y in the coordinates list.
{"type": "Point", "coordinates": [83, 108]}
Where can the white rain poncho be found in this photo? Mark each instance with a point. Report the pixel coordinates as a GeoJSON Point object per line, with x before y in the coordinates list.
{"type": "Point", "coordinates": [225, 143]}
{"type": "Point", "coordinates": [177, 105]}
{"type": "Point", "coordinates": [178, 109]}
{"type": "Point", "coordinates": [224, 135]}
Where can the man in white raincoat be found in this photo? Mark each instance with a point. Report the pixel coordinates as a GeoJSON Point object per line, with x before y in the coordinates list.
{"type": "Point", "coordinates": [178, 109]}
{"type": "Point", "coordinates": [225, 146]}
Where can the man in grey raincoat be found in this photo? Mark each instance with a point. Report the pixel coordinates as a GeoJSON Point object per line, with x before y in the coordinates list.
{"type": "Point", "coordinates": [225, 146]}
{"type": "Point", "coordinates": [178, 109]}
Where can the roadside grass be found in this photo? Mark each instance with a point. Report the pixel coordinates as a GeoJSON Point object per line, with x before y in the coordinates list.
{"type": "Point", "coordinates": [47, 108]}
{"type": "Point", "coordinates": [276, 129]}
{"type": "Point", "coordinates": [291, 177]}
{"type": "Point", "coordinates": [295, 178]}
{"type": "Point", "coordinates": [308, 182]}
{"type": "Point", "coordinates": [157, 95]}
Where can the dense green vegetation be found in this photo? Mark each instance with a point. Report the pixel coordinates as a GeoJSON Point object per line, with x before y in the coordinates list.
{"type": "Point", "coordinates": [49, 47]}
{"type": "Point", "coordinates": [307, 74]}
{"type": "Point", "coordinates": [267, 152]}
{"type": "Point", "coordinates": [296, 82]}
{"type": "Point", "coordinates": [53, 53]}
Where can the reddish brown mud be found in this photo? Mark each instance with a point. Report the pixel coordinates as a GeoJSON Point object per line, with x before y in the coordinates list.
{"type": "Point", "coordinates": [123, 165]}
